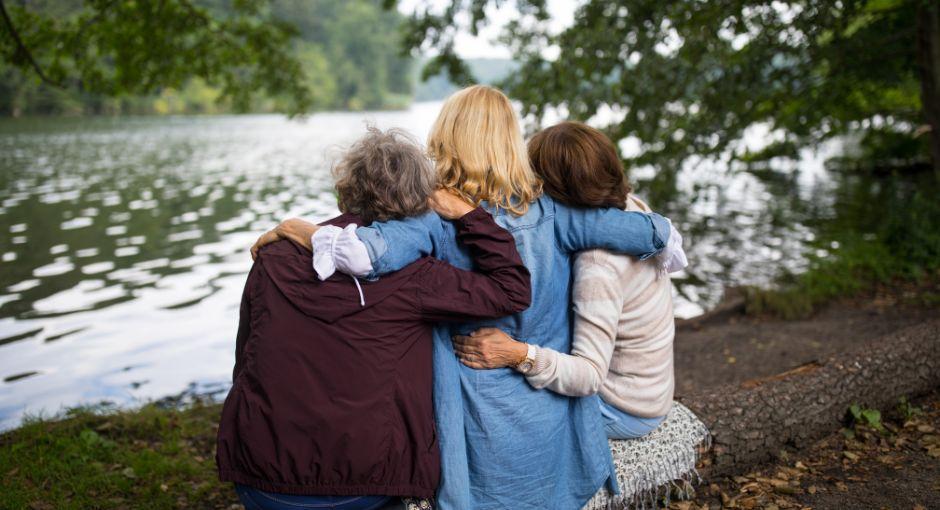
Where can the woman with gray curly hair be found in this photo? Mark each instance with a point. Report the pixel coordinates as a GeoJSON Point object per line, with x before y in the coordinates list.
{"type": "Point", "coordinates": [331, 400]}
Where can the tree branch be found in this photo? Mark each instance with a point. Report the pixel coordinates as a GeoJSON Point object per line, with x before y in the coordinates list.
{"type": "Point", "coordinates": [22, 49]}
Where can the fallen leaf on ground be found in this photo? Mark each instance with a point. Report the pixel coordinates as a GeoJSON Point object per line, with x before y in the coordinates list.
{"type": "Point", "coordinates": [750, 487]}
{"type": "Point", "coordinates": [727, 501]}
{"type": "Point", "coordinates": [749, 503]}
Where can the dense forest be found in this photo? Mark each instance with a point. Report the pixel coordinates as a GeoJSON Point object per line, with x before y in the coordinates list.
{"type": "Point", "coordinates": [349, 51]}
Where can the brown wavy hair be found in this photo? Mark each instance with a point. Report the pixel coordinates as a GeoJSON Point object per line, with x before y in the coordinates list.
{"type": "Point", "coordinates": [579, 166]}
{"type": "Point", "coordinates": [384, 176]}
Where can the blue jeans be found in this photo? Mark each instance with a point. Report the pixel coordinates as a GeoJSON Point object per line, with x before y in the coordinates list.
{"type": "Point", "coordinates": [621, 425]}
{"type": "Point", "coordinates": [254, 499]}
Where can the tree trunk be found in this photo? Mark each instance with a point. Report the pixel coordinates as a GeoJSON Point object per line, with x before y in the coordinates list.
{"type": "Point", "coordinates": [753, 421]}
{"type": "Point", "coordinates": [928, 58]}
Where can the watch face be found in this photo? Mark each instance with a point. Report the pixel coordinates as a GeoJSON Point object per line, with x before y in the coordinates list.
{"type": "Point", "coordinates": [525, 366]}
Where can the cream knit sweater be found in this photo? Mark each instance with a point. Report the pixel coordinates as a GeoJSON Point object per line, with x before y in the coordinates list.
{"type": "Point", "coordinates": [623, 333]}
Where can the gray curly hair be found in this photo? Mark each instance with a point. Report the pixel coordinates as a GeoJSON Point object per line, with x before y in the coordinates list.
{"type": "Point", "coordinates": [384, 176]}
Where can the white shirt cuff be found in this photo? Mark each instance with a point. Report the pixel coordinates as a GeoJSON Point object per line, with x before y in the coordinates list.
{"type": "Point", "coordinates": [672, 258]}
{"type": "Point", "coordinates": [339, 249]}
{"type": "Point", "coordinates": [533, 351]}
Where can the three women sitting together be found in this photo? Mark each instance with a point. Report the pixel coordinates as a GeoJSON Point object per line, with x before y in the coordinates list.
{"type": "Point", "coordinates": [479, 354]}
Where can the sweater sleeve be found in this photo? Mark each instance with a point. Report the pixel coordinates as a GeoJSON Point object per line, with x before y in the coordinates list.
{"type": "Point", "coordinates": [597, 303]}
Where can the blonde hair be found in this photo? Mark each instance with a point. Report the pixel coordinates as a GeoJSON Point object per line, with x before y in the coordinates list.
{"type": "Point", "coordinates": [477, 147]}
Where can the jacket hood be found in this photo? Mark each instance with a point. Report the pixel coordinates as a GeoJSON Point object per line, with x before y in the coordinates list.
{"type": "Point", "coordinates": [290, 268]}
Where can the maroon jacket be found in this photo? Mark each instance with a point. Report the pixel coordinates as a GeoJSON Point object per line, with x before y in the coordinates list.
{"type": "Point", "coordinates": [334, 398]}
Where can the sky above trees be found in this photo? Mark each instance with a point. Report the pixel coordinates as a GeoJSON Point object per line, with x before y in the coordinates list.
{"type": "Point", "coordinates": [486, 45]}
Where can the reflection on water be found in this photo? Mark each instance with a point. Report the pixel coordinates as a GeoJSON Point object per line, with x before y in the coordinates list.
{"type": "Point", "coordinates": [126, 242]}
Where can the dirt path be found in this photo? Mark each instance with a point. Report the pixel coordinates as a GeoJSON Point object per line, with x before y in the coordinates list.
{"type": "Point", "coordinates": [855, 468]}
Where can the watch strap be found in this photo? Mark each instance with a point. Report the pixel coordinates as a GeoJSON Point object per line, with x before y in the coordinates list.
{"type": "Point", "coordinates": [528, 363]}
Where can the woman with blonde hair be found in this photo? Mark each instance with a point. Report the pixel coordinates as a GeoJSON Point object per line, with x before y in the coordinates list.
{"type": "Point", "coordinates": [505, 444]}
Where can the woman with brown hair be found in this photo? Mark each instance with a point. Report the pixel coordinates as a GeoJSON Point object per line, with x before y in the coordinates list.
{"type": "Point", "coordinates": [623, 316]}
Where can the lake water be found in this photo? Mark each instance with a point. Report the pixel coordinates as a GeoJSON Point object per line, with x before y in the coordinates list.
{"type": "Point", "coordinates": [125, 242]}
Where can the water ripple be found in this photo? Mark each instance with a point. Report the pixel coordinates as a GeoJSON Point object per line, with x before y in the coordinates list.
{"type": "Point", "coordinates": [127, 243]}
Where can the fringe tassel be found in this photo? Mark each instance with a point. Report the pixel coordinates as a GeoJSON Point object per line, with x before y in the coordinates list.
{"type": "Point", "coordinates": [644, 481]}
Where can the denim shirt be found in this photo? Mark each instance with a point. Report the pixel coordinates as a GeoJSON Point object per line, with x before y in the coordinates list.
{"type": "Point", "coordinates": [503, 443]}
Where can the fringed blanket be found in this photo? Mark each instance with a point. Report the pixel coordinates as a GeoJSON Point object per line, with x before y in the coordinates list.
{"type": "Point", "coordinates": [651, 466]}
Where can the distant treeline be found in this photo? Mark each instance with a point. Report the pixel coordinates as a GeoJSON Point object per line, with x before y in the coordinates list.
{"type": "Point", "coordinates": [350, 51]}
{"type": "Point", "coordinates": [485, 70]}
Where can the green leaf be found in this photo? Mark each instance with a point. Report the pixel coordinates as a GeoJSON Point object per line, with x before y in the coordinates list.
{"type": "Point", "coordinates": [872, 417]}
{"type": "Point", "coordinates": [856, 412]}
{"type": "Point", "coordinates": [89, 437]}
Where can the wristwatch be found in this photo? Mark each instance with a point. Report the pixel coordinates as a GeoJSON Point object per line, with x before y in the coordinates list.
{"type": "Point", "coordinates": [528, 363]}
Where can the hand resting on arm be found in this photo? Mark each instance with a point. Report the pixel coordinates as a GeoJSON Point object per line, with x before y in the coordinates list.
{"type": "Point", "coordinates": [488, 348]}
{"type": "Point", "coordinates": [296, 230]}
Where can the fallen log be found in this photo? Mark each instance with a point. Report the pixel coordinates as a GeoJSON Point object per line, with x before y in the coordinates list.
{"type": "Point", "coordinates": [752, 422]}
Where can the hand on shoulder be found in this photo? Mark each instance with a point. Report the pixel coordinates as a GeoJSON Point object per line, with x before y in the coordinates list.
{"type": "Point", "coordinates": [448, 204]}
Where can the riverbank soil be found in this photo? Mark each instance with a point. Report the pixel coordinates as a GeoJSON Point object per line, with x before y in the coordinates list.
{"type": "Point", "coordinates": [734, 347]}
{"type": "Point", "coordinates": [893, 463]}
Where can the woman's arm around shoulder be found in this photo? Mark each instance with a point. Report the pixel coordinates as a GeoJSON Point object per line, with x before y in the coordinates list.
{"type": "Point", "coordinates": [500, 285]}
{"type": "Point", "coordinates": [394, 244]}
{"type": "Point", "coordinates": [634, 233]}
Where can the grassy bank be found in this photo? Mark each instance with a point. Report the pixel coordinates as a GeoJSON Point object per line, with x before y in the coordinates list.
{"type": "Point", "coordinates": [149, 458]}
